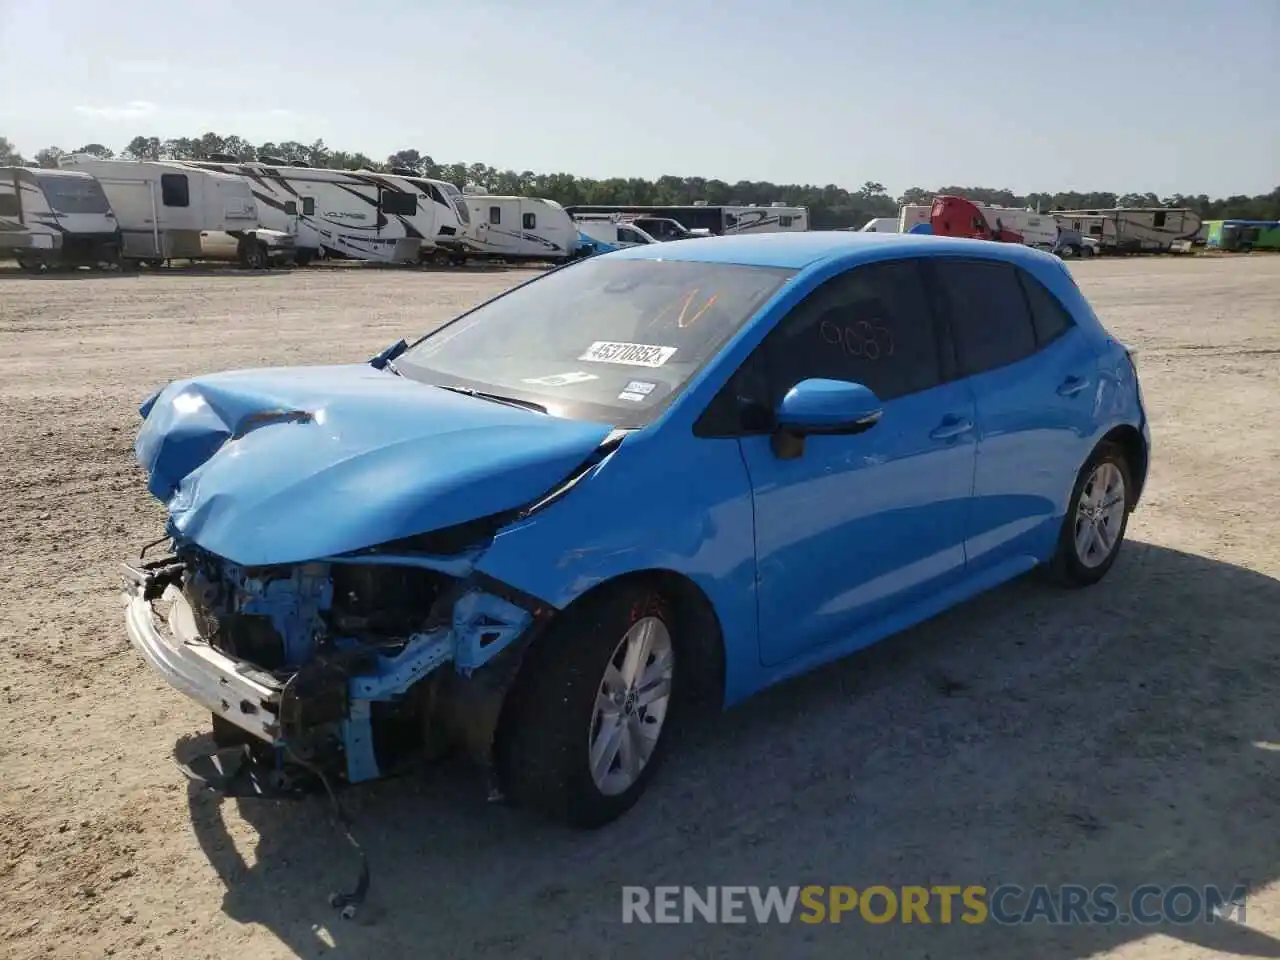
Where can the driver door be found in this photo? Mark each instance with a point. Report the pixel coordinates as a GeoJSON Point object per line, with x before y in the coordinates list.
{"type": "Point", "coordinates": [858, 527]}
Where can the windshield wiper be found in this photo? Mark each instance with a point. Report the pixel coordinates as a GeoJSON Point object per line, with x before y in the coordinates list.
{"type": "Point", "coordinates": [496, 398]}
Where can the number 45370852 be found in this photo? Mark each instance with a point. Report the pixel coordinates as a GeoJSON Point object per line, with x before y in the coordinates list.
{"type": "Point", "coordinates": [860, 339]}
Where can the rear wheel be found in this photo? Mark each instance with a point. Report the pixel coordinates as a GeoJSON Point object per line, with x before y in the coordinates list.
{"type": "Point", "coordinates": [1094, 527]}
{"type": "Point", "coordinates": [590, 717]}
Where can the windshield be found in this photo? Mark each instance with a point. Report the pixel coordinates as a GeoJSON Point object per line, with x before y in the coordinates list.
{"type": "Point", "coordinates": [610, 340]}
{"type": "Point", "coordinates": [459, 201]}
{"type": "Point", "coordinates": [74, 195]}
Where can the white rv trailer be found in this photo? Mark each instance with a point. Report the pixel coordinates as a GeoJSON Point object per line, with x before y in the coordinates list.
{"type": "Point", "coordinates": [169, 211]}
{"type": "Point", "coordinates": [453, 240]}
{"type": "Point", "coordinates": [1036, 229]}
{"type": "Point", "coordinates": [54, 218]}
{"type": "Point", "coordinates": [348, 214]}
{"type": "Point", "coordinates": [880, 225]}
{"type": "Point", "coordinates": [1133, 229]}
{"type": "Point", "coordinates": [913, 214]}
{"type": "Point", "coordinates": [520, 228]}
{"type": "Point", "coordinates": [718, 220]}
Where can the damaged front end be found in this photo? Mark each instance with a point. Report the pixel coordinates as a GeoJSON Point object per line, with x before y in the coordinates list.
{"type": "Point", "coordinates": [343, 668]}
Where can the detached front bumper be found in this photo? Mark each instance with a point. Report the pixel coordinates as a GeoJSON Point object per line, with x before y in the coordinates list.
{"type": "Point", "coordinates": [172, 645]}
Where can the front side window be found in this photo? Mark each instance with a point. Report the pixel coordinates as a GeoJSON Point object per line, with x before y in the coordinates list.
{"type": "Point", "coordinates": [989, 316]}
{"type": "Point", "coordinates": [174, 190]}
{"type": "Point", "coordinates": [614, 341]}
{"type": "Point", "coordinates": [871, 325]}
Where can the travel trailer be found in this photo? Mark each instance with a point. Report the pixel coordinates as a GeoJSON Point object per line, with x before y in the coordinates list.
{"type": "Point", "coordinates": [453, 241]}
{"type": "Point", "coordinates": [55, 218]}
{"type": "Point", "coordinates": [597, 235]}
{"type": "Point", "coordinates": [722, 220]}
{"type": "Point", "coordinates": [348, 214]}
{"type": "Point", "coordinates": [912, 215]}
{"type": "Point", "coordinates": [960, 217]}
{"type": "Point", "coordinates": [1242, 234]}
{"type": "Point", "coordinates": [520, 228]}
{"type": "Point", "coordinates": [1134, 229]}
{"type": "Point", "coordinates": [880, 225]}
{"type": "Point", "coordinates": [169, 211]}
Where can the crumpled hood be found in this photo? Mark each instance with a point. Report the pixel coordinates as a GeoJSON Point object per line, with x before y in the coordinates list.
{"type": "Point", "coordinates": [291, 464]}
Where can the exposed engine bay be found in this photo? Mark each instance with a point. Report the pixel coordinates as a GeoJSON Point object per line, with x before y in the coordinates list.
{"type": "Point", "coordinates": [347, 667]}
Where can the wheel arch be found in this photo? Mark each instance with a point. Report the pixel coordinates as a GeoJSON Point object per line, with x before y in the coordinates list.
{"type": "Point", "coordinates": [1129, 439]}
{"type": "Point", "coordinates": [698, 635]}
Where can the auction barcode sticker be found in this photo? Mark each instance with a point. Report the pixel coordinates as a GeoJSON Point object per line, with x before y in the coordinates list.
{"type": "Point", "coordinates": [631, 354]}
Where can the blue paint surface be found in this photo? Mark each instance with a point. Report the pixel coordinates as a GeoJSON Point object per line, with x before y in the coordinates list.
{"type": "Point", "coordinates": [955, 489]}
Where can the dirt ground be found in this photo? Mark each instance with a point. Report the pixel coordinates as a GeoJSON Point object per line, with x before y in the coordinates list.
{"type": "Point", "coordinates": [1127, 734]}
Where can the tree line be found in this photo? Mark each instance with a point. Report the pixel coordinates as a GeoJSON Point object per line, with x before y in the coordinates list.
{"type": "Point", "coordinates": [829, 206]}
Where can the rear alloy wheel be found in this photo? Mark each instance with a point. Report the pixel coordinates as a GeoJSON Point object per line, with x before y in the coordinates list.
{"type": "Point", "coordinates": [1094, 526]}
{"type": "Point", "coordinates": [590, 717]}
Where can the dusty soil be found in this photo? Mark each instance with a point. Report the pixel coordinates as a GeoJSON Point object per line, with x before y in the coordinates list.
{"type": "Point", "coordinates": [1126, 734]}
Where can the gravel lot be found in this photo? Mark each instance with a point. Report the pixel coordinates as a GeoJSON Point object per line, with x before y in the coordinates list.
{"type": "Point", "coordinates": [1127, 734]}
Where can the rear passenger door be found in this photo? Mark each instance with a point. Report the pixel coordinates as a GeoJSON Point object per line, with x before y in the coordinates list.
{"type": "Point", "coordinates": [1034, 377]}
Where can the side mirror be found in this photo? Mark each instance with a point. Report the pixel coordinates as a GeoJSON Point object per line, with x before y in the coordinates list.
{"type": "Point", "coordinates": [820, 406]}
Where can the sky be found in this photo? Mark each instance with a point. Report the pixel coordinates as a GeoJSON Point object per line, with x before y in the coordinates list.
{"type": "Point", "coordinates": [1169, 96]}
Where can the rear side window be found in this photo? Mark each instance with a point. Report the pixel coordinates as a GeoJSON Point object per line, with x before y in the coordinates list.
{"type": "Point", "coordinates": [174, 190]}
{"type": "Point", "coordinates": [989, 316]}
{"type": "Point", "coordinates": [872, 325]}
{"type": "Point", "coordinates": [1048, 316]}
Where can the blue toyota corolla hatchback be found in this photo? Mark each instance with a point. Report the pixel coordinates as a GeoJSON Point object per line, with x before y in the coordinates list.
{"type": "Point", "coordinates": [672, 475]}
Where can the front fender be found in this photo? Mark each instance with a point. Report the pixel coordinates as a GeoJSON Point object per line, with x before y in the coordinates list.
{"type": "Point", "coordinates": [683, 507]}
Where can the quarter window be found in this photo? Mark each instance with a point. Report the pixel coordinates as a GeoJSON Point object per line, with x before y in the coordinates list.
{"type": "Point", "coordinates": [174, 190]}
{"type": "Point", "coordinates": [1048, 316]}
{"type": "Point", "coordinates": [872, 325]}
{"type": "Point", "coordinates": [989, 316]}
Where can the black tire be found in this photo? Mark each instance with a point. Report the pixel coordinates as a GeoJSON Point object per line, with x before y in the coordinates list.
{"type": "Point", "coordinates": [302, 258]}
{"type": "Point", "coordinates": [253, 255]}
{"type": "Point", "coordinates": [542, 754]}
{"type": "Point", "coordinates": [1067, 567]}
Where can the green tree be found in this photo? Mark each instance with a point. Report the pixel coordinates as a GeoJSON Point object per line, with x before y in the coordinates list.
{"type": "Point", "coordinates": [9, 155]}
{"type": "Point", "coordinates": [49, 156]}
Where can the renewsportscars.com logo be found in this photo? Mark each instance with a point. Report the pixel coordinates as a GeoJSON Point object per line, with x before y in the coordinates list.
{"type": "Point", "coordinates": [1009, 904]}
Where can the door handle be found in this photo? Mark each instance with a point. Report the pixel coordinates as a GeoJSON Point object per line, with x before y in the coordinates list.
{"type": "Point", "coordinates": [951, 427]}
{"type": "Point", "coordinates": [1072, 385]}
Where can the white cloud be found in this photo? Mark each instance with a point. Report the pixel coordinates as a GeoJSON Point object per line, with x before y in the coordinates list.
{"type": "Point", "coordinates": [126, 111]}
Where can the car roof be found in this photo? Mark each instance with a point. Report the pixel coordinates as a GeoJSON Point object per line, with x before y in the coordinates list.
{"type": "Point", "coordinates": [804, 248]}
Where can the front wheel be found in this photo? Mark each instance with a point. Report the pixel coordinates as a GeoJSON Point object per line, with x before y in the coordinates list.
{"type": "Point", "coordinates": [590, 716]}
{"type": "Point", "coordinates": [1097, 516]}
{"type": "Point", "coordinates": [253, 255]}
